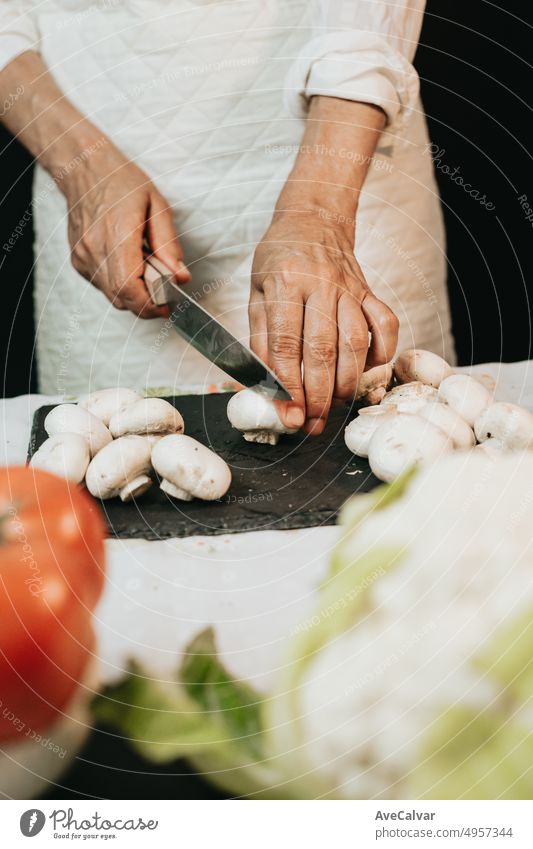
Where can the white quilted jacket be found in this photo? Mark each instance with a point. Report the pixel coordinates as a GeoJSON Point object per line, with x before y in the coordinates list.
{"type": "Point", "coordinates": [209, 97]}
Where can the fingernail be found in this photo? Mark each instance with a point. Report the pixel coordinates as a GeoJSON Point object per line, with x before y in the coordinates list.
{"type": "Point", "coordinates": [181, 268]}
{"type": "Point", "coordinates": [295, 417]}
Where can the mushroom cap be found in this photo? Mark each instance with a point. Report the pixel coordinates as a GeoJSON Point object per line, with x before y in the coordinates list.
{"type": "Point", "coordinates": [373, 384]}
{"type": "Point", "coordinates": [70, 418]}
{"type": "Point", "coordinates": [254, 409]}
{"type": "Point", "coordinates": [65, 455]}
{"type": "Point", "coordinates": [424, 366]}
{"type": "Point", "coordinates": [191, 467]}
{"type": "Point", "coordinates": [118, 464]}
{"type": "Point", "coordinates": [450, 422]}
{"type": "Point", "coordinates": [410, 392]}
{"type": "Point", "coordinates": [402, 442]}
{"type": "Point", "coordinates": [147, 416]}
{"type": "Point", "coordinates": [359, 432]}
{"type": "Point", "coordinates": [510, 424]}
{"type": "Point", "coordinates": [105, 403]}
{"type": "Point", "coordinates": [466, 395]}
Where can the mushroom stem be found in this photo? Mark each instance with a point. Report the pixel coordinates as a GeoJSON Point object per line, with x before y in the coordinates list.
{"type": "Point", "coordinates": [138, 486]}
{"type": "Point", "coordinates": [175, 491]}
{"type": "Point", "coordinates": [264, 437]}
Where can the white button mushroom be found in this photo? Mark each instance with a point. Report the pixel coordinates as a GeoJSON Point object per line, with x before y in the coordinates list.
{"type": "Point", "coordinates": [465, 395]}
{"type": "Point", "coordinates": [70, 418]}
{"type": "Point", "coordinates": [105, 403]}
{"type": "Point", "coordinates": [510, 424]}
{"type": "Point", "coordinates": [402, 442]}
{"type": "Point", "coordinates": [424, 366]}
{"type": "Point", "coordinates": [121, 469]}
{"type": "Point", "coordinates": [65, 454]}
{"type": "Point", "coordinates": [373, 384]}
{"type": "Point", "coordinates": [147, 416]}
{"type": "Point", "coordinates": [415, 391]}
{"type": "Point", "coordinates": [492, 448]}
{"type": "Point", "coordinates": [189, 469]}
{"type": "Point", "coordinates": [441, 415]}
{"type": "Point", "coordinates": [360, 431]}
{"type": "Point", "coordinates": [253, 412]}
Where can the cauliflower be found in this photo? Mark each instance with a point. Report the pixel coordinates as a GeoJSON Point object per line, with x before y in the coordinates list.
{"type": "Point", "coordinates": [414, 677]}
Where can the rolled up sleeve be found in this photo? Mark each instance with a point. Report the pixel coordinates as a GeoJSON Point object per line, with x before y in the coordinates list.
{"type": "Point", "coordinates": [18, 30]}
{"type": "Point", "coordinates": [362, 50]}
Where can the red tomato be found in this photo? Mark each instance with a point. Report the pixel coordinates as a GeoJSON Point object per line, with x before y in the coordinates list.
{"type": "Point", "coordinates": [51, 575]}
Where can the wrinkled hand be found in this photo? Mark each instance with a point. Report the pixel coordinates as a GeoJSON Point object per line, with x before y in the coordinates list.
{"type": "Point", "coordinates": [310, 304]}
{"type": "Point", "coordinates": [112, 206]}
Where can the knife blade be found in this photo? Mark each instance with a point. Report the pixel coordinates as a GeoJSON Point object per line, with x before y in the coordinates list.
{"type": "Point", "coordinates": [205, 333]}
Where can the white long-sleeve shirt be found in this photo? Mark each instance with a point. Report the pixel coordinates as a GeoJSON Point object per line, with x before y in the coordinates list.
{"type": "Point", "coordinates": [361, 49]}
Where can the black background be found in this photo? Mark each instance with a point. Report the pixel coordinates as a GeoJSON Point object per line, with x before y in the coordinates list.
{"type": "Point", "coordinates": [476, 86]}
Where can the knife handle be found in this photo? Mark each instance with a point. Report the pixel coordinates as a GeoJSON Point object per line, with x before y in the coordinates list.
{"type": "Point", "coordinates": [158, 279]}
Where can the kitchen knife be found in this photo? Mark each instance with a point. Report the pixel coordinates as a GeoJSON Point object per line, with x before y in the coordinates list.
{"type": "Point", "coordinates": [206, 334]}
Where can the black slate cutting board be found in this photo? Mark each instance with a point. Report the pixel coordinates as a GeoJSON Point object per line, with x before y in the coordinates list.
{"type": "Point", "coordinates": [302, 482]}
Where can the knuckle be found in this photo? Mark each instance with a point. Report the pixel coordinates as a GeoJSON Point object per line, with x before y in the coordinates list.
{"type": "Point", "coordinates": [388, 322]}
{"type": "Point", "coordinates": [354, 340]}
{"type": "Point", "coordinates": [285, 347]}
{"type": "Point", "coordinates": [77, 261]}
{"type": "Point", "coordinates": [290, 266]}
{"type": "Point", "coordinates": [323, 351]}
{"type": "Point", "coordinates": [88, 243]}
{"type": "Point", "coordinates": [117, 290]}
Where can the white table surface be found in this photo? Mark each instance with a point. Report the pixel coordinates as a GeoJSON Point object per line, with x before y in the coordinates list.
{"type": "Point", "coordinates": [254, 588]}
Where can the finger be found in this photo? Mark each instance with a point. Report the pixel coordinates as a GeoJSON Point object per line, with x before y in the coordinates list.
{"type": "Point", "coordinates": [383, 326]}
{"type": "Point", "coordinates": [284, 329]}
{"type": "Point", "coordinates": [125, 271]}
{"type": "Point", "coordinates": [320, 358]}
{"type": "Point", "coordinates": [258, 325]}
{"type": "Point", "coordinates": [353, 347]}
{"type": "Point", "coordinates": [163, 238]}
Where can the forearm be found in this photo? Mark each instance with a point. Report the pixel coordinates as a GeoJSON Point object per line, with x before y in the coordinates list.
{"type": "Point", "coordinates": [330, 169]}
{"type": "Point", "coordinates": [43, 119]}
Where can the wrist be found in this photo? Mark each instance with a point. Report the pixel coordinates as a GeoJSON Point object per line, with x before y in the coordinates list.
{"type": "Point", "coordinates": [327, 205]}
{"type": "Point", "coordinates": [72, 149]}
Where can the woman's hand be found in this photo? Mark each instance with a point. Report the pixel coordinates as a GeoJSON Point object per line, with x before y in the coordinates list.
{"type": "Point", "coordinates": [112, 206]}
{"type": "Point", "coordinates": [310, 304]}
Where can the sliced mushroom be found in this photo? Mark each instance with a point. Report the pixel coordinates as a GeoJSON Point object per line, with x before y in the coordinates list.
{"type": "Point", "coordinates": [65, 454]}
{"type": "Point", "coordinates": [510, 424]}
{"type": "Point", "coordinates": [189, 469]}
{"type": "Point", "coordinates": [423, 366]}
{"type": "Point", "coordinates": [105, 403]}
{"type": "Point", "coordinates": [415, 391]}
{"type": "Point", "coordinates": [70, 418]}
{"type": "Point", "coordinates": [402, 442]}
{"type": "Point", "coordinates": [253, 412]}
{"type": "Point", "coordinates": [147, 416]}
{"type": "Point", "coordinates": [450, 422]}
{"type": "Point", "coordinates": [121, 469]}
{"type": "Point", "coordinates": [373, 384]}
{"type": "Point", "coordinates": [360, 431]}
{"type": "Point", "coordinates": [465, 395]}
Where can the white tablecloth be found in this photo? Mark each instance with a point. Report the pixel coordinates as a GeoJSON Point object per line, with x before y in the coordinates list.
{"type": "Point", "coordinates": [254, 588]}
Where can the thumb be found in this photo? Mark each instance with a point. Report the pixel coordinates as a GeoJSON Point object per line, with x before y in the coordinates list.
{"type": "Point", "coordinates": [163, 239]}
